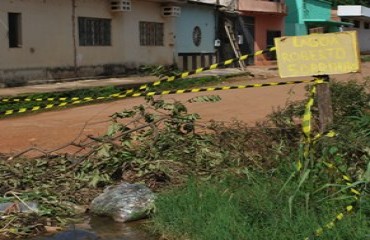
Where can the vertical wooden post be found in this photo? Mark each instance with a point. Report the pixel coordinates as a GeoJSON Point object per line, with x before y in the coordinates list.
{"type": "Point", "coordinates": [324, 104]}
{"type": "Point", "coordinates": [74, 36]}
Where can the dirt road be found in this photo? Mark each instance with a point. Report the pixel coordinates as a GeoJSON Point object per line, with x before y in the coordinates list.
{"type": "Point", "coordinates": [50, 130]}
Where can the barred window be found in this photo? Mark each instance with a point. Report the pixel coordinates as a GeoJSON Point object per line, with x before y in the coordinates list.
{"type": "Point", "coordinates": [151, 33]}
{"type": "Point", "coordinates": [94, 31]}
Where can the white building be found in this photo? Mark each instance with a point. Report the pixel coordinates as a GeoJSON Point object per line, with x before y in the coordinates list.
{"type": "Point", "coordinates": [360, 17]}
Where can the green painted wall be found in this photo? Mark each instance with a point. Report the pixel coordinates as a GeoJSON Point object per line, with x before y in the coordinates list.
{"type": "Point", "coordinates": [301, 10]}
{"type": "Point", "coordinates": [294, 24]}
{"type": "Point", "coordinates": [316, 9]}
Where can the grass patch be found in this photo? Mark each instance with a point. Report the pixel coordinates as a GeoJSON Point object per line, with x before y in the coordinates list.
{"type": "Point", "coordinates": [251, 208]}
{"type": "Point", "coordinates": [189, 83]}
{"type": "Point", "coordinates": [365, 58]}
{"type": "Point", "coordinates": [256, 201]}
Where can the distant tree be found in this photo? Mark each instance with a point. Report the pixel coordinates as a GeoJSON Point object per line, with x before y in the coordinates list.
{"type": "Point", "coordinates": [350, 2]}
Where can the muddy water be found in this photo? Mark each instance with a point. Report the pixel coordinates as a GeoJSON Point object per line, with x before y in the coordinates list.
{"type": "Point", "coordinates": [100, 228]}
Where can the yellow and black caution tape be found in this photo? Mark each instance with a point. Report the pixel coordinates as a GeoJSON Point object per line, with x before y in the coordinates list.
{"type": "Point", "coordinates": [307, 121]}
{"type": "Point", "coordinates": [330, 225]}
{"type": "Point", "coordinates": [195, 90]}
{"type": "Point", "coordinates": [56, 99]}
{"type": "Point", "coordinates": [349, 208]}
{"type": "Point", "coordinates": [347, 179]}
{"type": "Point", "coordinates": [145, 86]}
{"type": "Point", "coordinates": [42, 107]}
{"type": "Point", "coordinates": [144, 94]}
{"type": "Point", "coordinates": [28, 99]}
{"type": "Point", "coordinates": [349, 182]}
{"type": "Point", "coordinates": [211, 67]}
{"type": "Point", "coordinates": [307, 116]}
{"type": "Point", "coordinates": [329, 134]}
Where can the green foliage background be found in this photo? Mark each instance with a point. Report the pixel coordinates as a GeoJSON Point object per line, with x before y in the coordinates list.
{"type": "Point", "coordinates": [350, 2]}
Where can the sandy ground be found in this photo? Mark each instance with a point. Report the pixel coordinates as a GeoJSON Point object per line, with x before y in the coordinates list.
{"type": "Point", "coordinates": [49, 130]}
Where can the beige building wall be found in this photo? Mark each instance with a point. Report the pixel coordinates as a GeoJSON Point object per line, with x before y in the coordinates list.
{"type": "Point", "coordinates": [99, 55]}
{"type": "Point", "coordinates": [49, 42]}
{"type": "Point", "coordinates": [126, 47]}
{"type": "Point", "coordinates": [46, 34]}
{"type": "Point", "coordinates": [133, 52]}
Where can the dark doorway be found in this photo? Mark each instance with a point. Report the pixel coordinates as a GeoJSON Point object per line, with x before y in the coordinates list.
{"type": "Point", "coordinates": [246, 28]}
{"type": "Point", "coordinates": [271, 35]}
{"type": "Point", "coordinates": [243, 26]}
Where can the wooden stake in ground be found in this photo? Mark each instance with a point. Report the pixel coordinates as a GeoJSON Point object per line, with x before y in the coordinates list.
{"type": "Point", "coordinates": [324, 104]}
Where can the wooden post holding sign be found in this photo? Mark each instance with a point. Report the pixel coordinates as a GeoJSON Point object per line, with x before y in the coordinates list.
{"type": "Point", "coordinates": [319, 55]}
{"type": "Point", "coordinates": [324, 104]}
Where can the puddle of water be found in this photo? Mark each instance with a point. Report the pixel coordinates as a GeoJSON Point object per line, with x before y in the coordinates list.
{"type": "Point", "coordinates": [101, 228]}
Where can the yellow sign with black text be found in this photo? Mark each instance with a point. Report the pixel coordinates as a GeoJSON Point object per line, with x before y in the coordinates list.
{"type": "Point", "coordinates": [318, 54]}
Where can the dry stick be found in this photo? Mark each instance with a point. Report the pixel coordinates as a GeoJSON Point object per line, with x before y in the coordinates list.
{"type": "Point", "coordinates": [19, 199]}
{"type": "Point", "coordinates": [103, 140]}
{"type": "Point", "coordinates": [155, 132]}
{"type": "Point", "coordinates": [75, 139]}
{"type": "Point", "coordinates": [99, 122]}
{"type": "Point", "coordinates": [82, 147]}
{"type": "Point", "coordinates": [115, 138]}
{"type": "Point", "coordinates": [47, 153]}
{"type": "Point", "coordinates": [139, 128]}
{"type": "Point", "coordinates": [135, 120]}
{"type": "Point", "coordinates": [79, 161]}
{"type": "Point", "coordinates": [110, 140]}
{"type": "Point", "coordinates": [33, 148]}
{"type": "Point", "coordinates": [7, 224]}
{"type": "Point", "coordinates": [73, 142]}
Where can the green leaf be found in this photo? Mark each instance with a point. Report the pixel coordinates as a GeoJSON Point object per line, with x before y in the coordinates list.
{"type": "Point", "coordinates": [366, 176]}
{"type": "Point", "coordinates": [208, 99]}
{"type": "Point", "coordinates": [95, 179]}
{"type": "Point", "coordinates": [104, 150]}
{"type": "Point", "coordinates": [333, 150]}
{"type": "Point", "coordinates": [113, 129]}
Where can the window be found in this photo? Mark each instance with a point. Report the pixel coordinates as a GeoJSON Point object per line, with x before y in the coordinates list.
{"type": "Point", "coordinates": [367, 25]}
{"type": "Point", "coordinates": [197, 36]}
{"type": "Point", "coordinates": [151, 33]}
{"type": "Point", "coordinates": [357, 24]}
{"type": "Point", "coordinates": [94, 31]}
{"type": "Point", "coordinates": [15, 30]}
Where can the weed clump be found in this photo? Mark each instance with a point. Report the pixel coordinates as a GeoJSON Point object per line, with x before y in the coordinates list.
{"type": "Point", "coordinates": [267, 195]}
{"type": "Point", "coordinates": [243, 180]}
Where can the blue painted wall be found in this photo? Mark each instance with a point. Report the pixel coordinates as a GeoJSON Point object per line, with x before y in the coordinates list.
{"type": "Point", "coordinates": [193, 15]}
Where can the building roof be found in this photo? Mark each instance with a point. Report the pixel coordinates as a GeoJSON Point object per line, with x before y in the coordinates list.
{"type": "Point", "coordinates": [327, 22]}
{"type": "Point", "coordinates": [353, 11]}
